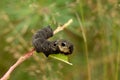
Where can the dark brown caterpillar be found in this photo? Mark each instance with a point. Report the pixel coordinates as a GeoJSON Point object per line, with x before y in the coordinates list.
{"type": "Point", "coordinates": [41, 44]}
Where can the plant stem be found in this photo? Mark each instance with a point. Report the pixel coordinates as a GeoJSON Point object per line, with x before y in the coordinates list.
{"type": "Point", "coordinates": [19, 61]}
{"type": "Point", "coordinates": [86, 47]}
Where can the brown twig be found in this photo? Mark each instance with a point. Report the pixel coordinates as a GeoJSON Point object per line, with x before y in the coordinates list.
{"type": "Point", "coordinates": [19, 61]}
{"type": "Point", "coordinates": [29, 54]}
{"type": "Point", "coordinates": [60, 28]}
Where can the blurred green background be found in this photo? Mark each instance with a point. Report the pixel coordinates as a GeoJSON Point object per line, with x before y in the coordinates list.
{"type": "Point", "coordinates": [95, 33]}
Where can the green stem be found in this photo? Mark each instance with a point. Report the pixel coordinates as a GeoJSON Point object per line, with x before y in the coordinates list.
{"type": "Point", "coordinates": [86, 47]}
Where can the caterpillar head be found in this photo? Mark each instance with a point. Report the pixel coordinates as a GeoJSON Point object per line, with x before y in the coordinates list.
{"type": "Point", "coordinates": [64, 46]}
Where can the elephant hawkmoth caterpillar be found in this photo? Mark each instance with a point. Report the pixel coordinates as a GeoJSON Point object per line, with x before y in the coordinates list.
{"type": "Point", "coordinates": [42, 44]}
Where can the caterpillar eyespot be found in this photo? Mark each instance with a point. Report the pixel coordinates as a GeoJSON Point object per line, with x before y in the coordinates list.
{"type": "Point", "coordinates": [63, 44]}
{"type": "Point", "coordinates": [41, 44]}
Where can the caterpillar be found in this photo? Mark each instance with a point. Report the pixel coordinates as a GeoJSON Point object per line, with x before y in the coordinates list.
{"type": "Point", "coordinates": [41, 44]}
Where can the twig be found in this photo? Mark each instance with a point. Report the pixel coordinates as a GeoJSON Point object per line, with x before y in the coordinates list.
{"type": "Point", "coordinates": [19, 61]}
{"type": "Point", "coordinates": [29, 54]}
{"type": "Point", "coordinates": [60, 28]}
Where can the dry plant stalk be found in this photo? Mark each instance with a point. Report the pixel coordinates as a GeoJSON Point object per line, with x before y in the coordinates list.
{"type": "Point", "coordinates": [29, 54]}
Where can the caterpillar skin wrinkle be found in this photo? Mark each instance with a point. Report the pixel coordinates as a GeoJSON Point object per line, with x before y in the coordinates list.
{"type": "Point", "coordinates": [41, 44]}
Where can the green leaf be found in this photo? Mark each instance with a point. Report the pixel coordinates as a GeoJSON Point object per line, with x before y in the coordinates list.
{"type": "Point", "coordinates": [60, 57]}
